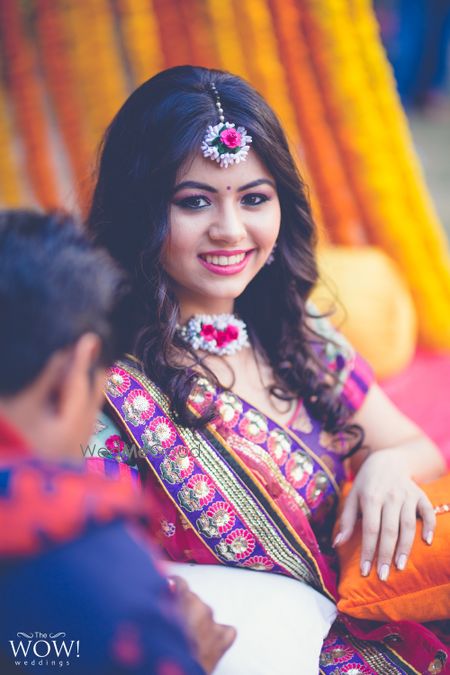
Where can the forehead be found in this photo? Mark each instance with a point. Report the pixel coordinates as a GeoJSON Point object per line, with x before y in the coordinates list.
{"type": "Point", "coordinates": [204, 170]}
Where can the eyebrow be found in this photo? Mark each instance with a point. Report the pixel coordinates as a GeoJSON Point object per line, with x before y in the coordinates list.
{"type": "Point", "coordinates": [255, 183]}
{"type": "Point", "coordinates": [195, 185]}
{"type": "Point", "coordinates": [209, 188]}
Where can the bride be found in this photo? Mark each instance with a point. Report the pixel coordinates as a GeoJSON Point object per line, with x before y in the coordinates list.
{"type": "Point", "coordinates": [248, 408]}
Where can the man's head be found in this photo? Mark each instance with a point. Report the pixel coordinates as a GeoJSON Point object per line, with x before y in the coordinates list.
{"type": "Point", "coordinates": [61, 325]}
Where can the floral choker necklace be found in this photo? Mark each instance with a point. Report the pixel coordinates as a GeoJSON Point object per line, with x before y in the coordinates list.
{"type": "Point", "coordinates": [221, 334]}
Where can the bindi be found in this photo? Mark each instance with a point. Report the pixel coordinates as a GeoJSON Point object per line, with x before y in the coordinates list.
{"type": "Point", "coordinates": [228, 187]}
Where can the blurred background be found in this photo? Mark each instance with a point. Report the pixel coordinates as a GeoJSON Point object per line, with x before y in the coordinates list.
{"type": "Point", "coordinates": [361, 87]}
{"type": "Point", "coordinates": [416, 35]}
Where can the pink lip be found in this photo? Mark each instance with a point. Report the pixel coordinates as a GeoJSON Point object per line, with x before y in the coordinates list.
{"type": "Point", "coordinates": [229, 269]}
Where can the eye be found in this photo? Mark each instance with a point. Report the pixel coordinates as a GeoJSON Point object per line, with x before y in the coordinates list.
{"type": "Point", "coordinates": [254, 199]}
{"type": "Point", "coordinates": [195, 202]}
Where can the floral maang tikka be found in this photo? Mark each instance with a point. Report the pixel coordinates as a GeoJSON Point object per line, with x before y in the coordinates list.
{"type": "Point", "coordinates": [224, 143]}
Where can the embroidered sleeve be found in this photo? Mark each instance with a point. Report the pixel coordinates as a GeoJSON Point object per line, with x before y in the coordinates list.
{"type": "Point", "coordinates": [355, 376]}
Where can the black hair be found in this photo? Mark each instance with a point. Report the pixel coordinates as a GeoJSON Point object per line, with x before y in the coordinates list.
{"type": "Point", "coordinates": [156, 131]}
{"type": "Point", "coordinates": [55, 285]}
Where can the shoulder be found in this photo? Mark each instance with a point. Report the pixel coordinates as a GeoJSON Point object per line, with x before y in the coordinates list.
{"type": "Point", "coordinates": [85, 587]}
{"type": "Point", "coordinates": [353, 375]}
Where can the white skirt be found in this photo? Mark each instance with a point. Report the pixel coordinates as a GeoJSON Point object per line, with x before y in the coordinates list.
{"type": "Point", "coordinates": [281, 623]}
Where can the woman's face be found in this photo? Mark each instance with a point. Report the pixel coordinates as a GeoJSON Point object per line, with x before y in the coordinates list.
{"type": "Point", "coordinates": [223, 226]}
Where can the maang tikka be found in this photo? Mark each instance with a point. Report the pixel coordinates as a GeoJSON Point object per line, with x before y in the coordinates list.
{"type": "Point", "coordinates": [224, 143]}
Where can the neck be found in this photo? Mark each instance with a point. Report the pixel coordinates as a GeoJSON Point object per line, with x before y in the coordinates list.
{"type": "Point", "coordinates": [189, 308]}
{"type": "Point", "coordinates": [26, 415]}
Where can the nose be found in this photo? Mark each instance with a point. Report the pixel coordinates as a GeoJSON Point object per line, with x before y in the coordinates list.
{"type": "Point", "coordinates": [228, 225]}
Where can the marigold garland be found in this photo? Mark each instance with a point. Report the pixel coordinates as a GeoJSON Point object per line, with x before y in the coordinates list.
{"type": "Point", "coordinates": [202, 48]}
{"type": "Point", "coordinates": [174, 42]}
{"type": "Point", "coordinates": [27, 99]}
{"type": "Point", "coordinates": [263, 60]}
{"type": "Point", "coordinates": [398, 136]}
{"type": "Point", "coordinates": [97, 67]}
{"type": "Point", "coordinates": [11, 189]}
{"type": "Point", "coordinates": [223, 22]}
{"type": "Point", "coordinates": [267, 74]}
{"type": "Point", "coordinates": [340, 212]}
{"type": "Point", "coordinates": [59, 78]}
{"type": "Point", "coordinates": [376, 182]}
{"type": "Point", "coordinates": [140, 34]}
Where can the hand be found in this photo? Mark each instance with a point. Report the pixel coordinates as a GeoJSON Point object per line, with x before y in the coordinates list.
{"type": "Point", "coordinates": [389, 501]}
{"type": "Point", "coordinates": [210, 639]}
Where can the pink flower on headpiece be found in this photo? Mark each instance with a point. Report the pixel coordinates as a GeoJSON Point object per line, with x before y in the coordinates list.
{"type": "Point", "coordinates": [231, 138]}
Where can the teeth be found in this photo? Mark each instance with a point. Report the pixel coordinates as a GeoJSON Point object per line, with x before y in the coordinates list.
{"type": "Point", "coordinates": [224, 260]}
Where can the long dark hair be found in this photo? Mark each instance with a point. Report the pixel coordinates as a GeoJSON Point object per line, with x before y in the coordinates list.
{"type": "Point", "coordinates": [158, 128]}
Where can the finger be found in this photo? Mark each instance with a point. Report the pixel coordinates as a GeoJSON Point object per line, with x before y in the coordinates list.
{"type": "Point", "coordinates": [408, 525]}
{"type": "Point", "coordinates": [371, 520]}
{"type": "Point", "coordinates": [348, 518]}
{"type": "Point", "coordinates": [389, 533]}
{"type": "Point", "coordinates": [177, 584]}
{"type": "Point", "coordinates": [426, 511]}
{"type": "Point", "coordinates": [217, 642]}
{"type": "Point", "coordinates": [228, 635]}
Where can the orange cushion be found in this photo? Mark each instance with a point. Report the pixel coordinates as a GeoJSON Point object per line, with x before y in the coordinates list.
{"type": "Point", "coordinates": [421, 592]}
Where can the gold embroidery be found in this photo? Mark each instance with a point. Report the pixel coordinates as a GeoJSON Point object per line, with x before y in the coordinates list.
{"type": "Point", "coordinates": [253, 450]}
{"type": "Point", "coordinates": [279, 550]}
{"type": "Point", "coordinates": [380, 663]}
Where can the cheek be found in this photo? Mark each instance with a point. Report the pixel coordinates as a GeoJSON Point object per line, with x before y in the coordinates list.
{"type": "Point", "coordinates": [181, 241]}
{"type": "Point", "coordinates": [267, 226]}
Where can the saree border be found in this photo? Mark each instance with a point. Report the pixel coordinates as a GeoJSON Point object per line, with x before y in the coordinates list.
{"type": "Point", "coordinates": [282, 426]}
{"type": "Point", "coordinates": [373, 657]}
{"type": "Point", "coordinates": [381, 658]}
{"type": "Point", "coordinates": [153, 469]}
{"type": "Point", "coordinates": [287, 550]}
{"type": "Point", "coordinates": [301, 442]}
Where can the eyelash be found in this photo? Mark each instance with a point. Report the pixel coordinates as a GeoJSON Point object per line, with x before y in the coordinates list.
{"type": "Point", "coordinates": [188, 202]}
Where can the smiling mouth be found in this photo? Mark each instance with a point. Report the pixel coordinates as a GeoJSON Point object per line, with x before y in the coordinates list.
{"type": "Point", "coordinates": [224, 260]}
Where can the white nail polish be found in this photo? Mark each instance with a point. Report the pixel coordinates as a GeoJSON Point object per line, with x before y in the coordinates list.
{"type": "Point", "coordinates": [365, 568]}
{"type": "Point", "coordinates": [401, 562]}
{"type": "Point", "coordinates": [429, 538]}
{"type": "Point", "coordinates": [337, 539]}
{"type": "Point", "coordinates": [383, 572]}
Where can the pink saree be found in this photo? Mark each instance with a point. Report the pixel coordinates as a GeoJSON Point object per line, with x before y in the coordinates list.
{"type": "Point", "coordinates": [249, 493]}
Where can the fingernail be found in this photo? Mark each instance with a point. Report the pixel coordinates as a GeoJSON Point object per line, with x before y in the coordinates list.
{"type": "Point", "coordinates": [383, 572]}
{"type": "Point", "coordinates": [429, 538]}
{"type": "Point", "coordinates": [401, 562]}
{"type": "Point", "coordinates": [365, 568]}
{"type": "Point", "coordinates": [337, 539]}
{"type": "Point", "coordinates": [171, 583]}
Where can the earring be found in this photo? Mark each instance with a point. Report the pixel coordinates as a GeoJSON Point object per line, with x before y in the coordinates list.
{"type": "Point", "coordinates": [271, 257]}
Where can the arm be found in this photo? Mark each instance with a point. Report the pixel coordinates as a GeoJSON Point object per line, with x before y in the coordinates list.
{"type": "Point", "coordinates": [384, 490]}
{"type": "Point", "coordinates": [386, 428]}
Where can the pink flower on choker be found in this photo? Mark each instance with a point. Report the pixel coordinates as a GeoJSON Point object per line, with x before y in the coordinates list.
{"type": "Point", "coordinates": [219, 334]}
{"type": "Point", "coordinates": [208, 331]}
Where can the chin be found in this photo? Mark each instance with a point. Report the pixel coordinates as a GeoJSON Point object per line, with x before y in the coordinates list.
{"type": "Point", "coordinates": [230, 293]}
